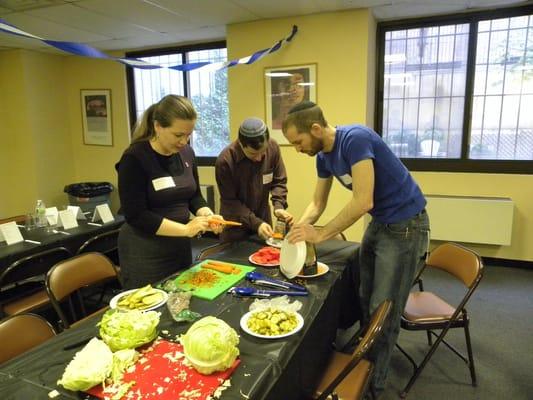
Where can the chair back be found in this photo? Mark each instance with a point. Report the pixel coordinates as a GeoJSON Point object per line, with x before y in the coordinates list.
{"type": "Point", "coordinates": [69, 276]}
{"type": "Point", "coordinates": [33, 266]}
{"type": "Point", "coordinates": [371, 333]}
{"type": "Point", "coordinates": [457, 260]}
{"type": "Point", "coordinates": [105, 243]}
{"type": "Point", "coordinates": [19, 333]}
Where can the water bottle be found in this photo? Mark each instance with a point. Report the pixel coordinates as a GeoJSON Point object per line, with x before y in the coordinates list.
{"type": "Point", "coordinates": [40, 213]}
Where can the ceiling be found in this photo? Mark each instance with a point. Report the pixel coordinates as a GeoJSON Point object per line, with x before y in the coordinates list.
{"type": "Point", "coordinates": [135, 24]}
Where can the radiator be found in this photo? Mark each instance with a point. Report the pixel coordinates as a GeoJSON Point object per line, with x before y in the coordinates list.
{"type": "Point", "coordinates": [484, 220]}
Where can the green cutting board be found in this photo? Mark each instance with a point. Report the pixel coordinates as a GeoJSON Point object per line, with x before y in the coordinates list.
{"type": "Point", "coordinates": [225, 281]}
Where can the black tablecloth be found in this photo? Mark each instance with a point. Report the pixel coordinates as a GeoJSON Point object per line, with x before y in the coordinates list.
{"type": "Point", "coordinates": [77, 236]}
{"type": "Point", "coordinates": [270, 369]}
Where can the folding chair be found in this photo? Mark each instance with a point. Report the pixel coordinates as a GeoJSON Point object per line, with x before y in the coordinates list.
{"type": "Point", "coordinates": [428, 312]}
{"type": "Point", "coordinates": [22, 286]}
{"type": "Point", "coordinates": [65, 279]}
{"type": "Point", "coordinates": [347, 375]}
{"type": "Point", "coordinates": [105, 243]}
{"type": "Point", "coordinates": [19, 333]}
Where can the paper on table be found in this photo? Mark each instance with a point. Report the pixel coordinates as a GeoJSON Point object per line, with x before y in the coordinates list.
{"type": "Point", "coordinates": [103, 212]}
{"type": "Point", "coordinates": [77, 212]}
{"type": "Point", "coordinates": [67, 220]}
{"type": "Point", "coordinates": [10, 233]}
{"type": "Point", "coordinates": [52, 215]}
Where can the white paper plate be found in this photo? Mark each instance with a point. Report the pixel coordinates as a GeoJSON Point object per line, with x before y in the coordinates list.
{"type": "Point", "coordinates": [114, 300]}
{"type": "Point", "coordinates": [244, 326]}
{"type": "Point", "coordinates": [292, 258]}
{"type": "Point", "coordinates": [322, 269]}
{"type": "Point", "coordinates": [274, 242]}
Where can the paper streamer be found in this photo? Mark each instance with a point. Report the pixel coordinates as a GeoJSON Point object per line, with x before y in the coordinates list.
{"type": "Point", "coordinates": [84, 50]}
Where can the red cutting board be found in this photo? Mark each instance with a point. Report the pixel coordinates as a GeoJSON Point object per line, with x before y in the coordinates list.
{"type": "Point", "coordinates": [161, 373]}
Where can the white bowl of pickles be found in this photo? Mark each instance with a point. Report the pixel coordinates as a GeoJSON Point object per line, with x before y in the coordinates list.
{"type": "Point", "coordinates": [271, 323]}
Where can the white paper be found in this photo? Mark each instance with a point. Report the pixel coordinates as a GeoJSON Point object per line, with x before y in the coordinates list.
{"type": "Point", "coordinates": [267, 178]}
{"type": "Point", "coordinates": [67, 219]}
{"type": "Point", "coordinates": [103, 213]}
{"type": "Point", "coordinates": [51, 215]}
{"type": "Point", "coordinates": [163, 183]}
{"type": "Point", "coordinates": [10, 233]}
{"type": "Point", "coordinates": [76, 211]}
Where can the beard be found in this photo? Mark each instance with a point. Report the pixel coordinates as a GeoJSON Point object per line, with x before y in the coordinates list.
{"type": "Point", "coordinates": [316, 146]}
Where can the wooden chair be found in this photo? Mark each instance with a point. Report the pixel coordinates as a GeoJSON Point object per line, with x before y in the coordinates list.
{"type": "Point", "coordinates": [20, 333]}
{"type": "Point", "coordinates": [65, 279]}
{"type": "Point", "coordinates": [21, 219]}
{"type": "Point", "coordinates": [22, 287]}
{"type": "Point", "coordinates": [428, 312]}
{"type": "Point", "coordinates": [347, 375]}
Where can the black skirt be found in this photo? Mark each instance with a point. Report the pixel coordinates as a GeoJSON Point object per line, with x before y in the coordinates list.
{"type": "Point", "coordinates": [148, 258]}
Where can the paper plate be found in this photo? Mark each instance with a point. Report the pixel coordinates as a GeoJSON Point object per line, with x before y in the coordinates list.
{"type": "Point", "coordinates": [322, 269]}
{"type": "Point", "coordinates": [244, 326]}
{"type": "Point", "coordinates": [274, 242]}
{"type": "Point", "coordinates": [292, 258]}
{"type": "Point", "coordinates": [114, 300]}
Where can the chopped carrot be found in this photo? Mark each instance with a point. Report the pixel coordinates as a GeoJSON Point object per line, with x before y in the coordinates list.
{"type": "Point", "coordinates": [277, 235]}
{"type": "Point", "coordinates": [219, 268]}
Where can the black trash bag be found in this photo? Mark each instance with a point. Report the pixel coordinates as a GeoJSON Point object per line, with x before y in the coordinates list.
{"type": "Point", "coordinates": [88, 189]}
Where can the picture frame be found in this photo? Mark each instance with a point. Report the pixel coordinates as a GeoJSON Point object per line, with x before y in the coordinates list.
{"type": "Point", "coordinates": [284, 88]}
{"type": "Point", "coordinates": [96, 117]}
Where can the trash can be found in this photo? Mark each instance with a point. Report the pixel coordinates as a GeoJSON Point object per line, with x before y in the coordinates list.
{"type": "Point", "coordinates": [87, 195]}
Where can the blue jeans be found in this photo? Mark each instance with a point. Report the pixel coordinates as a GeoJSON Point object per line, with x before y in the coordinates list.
{"type": "Point", "coordinates": [389, 257]}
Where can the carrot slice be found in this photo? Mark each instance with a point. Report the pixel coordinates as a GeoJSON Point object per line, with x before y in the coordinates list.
{"type": "Point", "coordinates": [219, 268]}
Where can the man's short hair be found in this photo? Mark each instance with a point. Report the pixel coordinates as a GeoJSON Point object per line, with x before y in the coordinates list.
{"type": "Point", "coordinates": [303, 115]}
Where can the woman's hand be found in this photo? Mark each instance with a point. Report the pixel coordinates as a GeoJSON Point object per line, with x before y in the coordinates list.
{"type": "Point", "coordinates": [213, 226]}
{"type": "Point", "coordinates": [197, 225]}
{"type": "Point", "coordinates": [265, 231]}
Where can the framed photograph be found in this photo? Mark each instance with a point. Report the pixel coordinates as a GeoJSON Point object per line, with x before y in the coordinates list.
{"type": "Point", "coordinates": [284, 88]}
{"type": "Point", "coordinates": [96, 117]}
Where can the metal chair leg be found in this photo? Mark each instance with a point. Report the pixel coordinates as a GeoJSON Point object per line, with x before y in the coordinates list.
{"type": "Point", "coordinates": [469, 350]}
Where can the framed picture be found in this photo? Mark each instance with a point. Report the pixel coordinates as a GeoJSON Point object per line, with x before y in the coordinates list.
{"type": "Point", "coordinates": [96, 117]}
{"type": "Point", "coordinates": [284, 88]}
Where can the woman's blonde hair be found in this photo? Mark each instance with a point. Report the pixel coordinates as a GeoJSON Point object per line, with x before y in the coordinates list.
{"type": "Point", "coordinates": [168, 109]}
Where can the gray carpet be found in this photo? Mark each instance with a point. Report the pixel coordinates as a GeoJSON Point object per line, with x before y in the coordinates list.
{"type": "Point", "coordinates": [501, 314]}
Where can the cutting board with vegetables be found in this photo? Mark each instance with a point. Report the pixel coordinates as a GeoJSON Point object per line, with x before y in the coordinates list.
{"type": "Point", "coordinates": [161, 373]}
{"type": "Point", "coordinates": [210, 278]}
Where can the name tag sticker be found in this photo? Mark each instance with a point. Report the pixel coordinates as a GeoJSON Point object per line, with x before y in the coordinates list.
{"type": "Point", "coordinates": [267, 178]}
{"type": "Point", "coordinates": [346, 179]}
{"type": "Point", "coordinates": [163, 183]}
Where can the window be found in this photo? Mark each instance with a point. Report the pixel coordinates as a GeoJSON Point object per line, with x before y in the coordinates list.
{"type": "Point", "coordinates": [453, 91]}
{"type": "Point", "coordinates": [206, 88]}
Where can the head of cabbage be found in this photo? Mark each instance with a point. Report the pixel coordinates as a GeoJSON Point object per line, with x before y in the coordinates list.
{"type": "Point", "coordinates": [210, 345]}
{"type": "Point", "coordinates": [128, 329]}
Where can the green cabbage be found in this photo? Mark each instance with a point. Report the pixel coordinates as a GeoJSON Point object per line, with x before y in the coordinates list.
{"type": "Point", "coordinates": [128, 330]}
{"type": "Point", "coordinates": [210, 345]}
{"type": "Point", "coordinates": [89, 367]}
{"type": "Point", "coordinates": [122, 360]}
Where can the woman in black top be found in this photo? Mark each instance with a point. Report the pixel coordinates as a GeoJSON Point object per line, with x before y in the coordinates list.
{"type": "Point", "coordinates": [158, 187]}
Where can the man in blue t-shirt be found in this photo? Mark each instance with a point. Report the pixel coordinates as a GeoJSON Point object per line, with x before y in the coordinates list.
{"type": "Point", "coordinates": [397, 237]}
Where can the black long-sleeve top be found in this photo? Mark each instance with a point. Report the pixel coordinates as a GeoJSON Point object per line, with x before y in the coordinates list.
{"type": "Point", "coordinates": [152, 186]}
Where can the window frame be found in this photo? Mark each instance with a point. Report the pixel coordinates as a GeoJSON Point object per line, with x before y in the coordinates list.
{"type": "Point", "coordinates": [463, 164]}
{"type": "Point", "coordinates": [202, 161]}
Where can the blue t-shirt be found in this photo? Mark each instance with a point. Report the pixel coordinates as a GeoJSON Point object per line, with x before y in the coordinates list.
{"type": "Point", "coordinates": [396, 195]}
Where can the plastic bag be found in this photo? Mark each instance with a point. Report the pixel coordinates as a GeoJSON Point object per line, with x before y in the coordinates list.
{"type": "Point", "coordinates": [280, 303]}
{"type": "Point", "coordinates": [178, 305]}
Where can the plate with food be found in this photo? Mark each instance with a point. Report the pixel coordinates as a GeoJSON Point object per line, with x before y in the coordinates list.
{"type": "Point", "coordinates": [265, 257]}
{"type": "Point", "coordinates": [274, 242]}
{"type": "Point", "coordinates": [322, 269]}
{"type": "Point", "coordinates": [271, 323]}
{"type": "Point", "coordinates": [144, 299]}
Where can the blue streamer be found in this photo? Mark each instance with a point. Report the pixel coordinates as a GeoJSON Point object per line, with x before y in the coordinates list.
{"type": "Point", "coordinates": [84, 50]}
